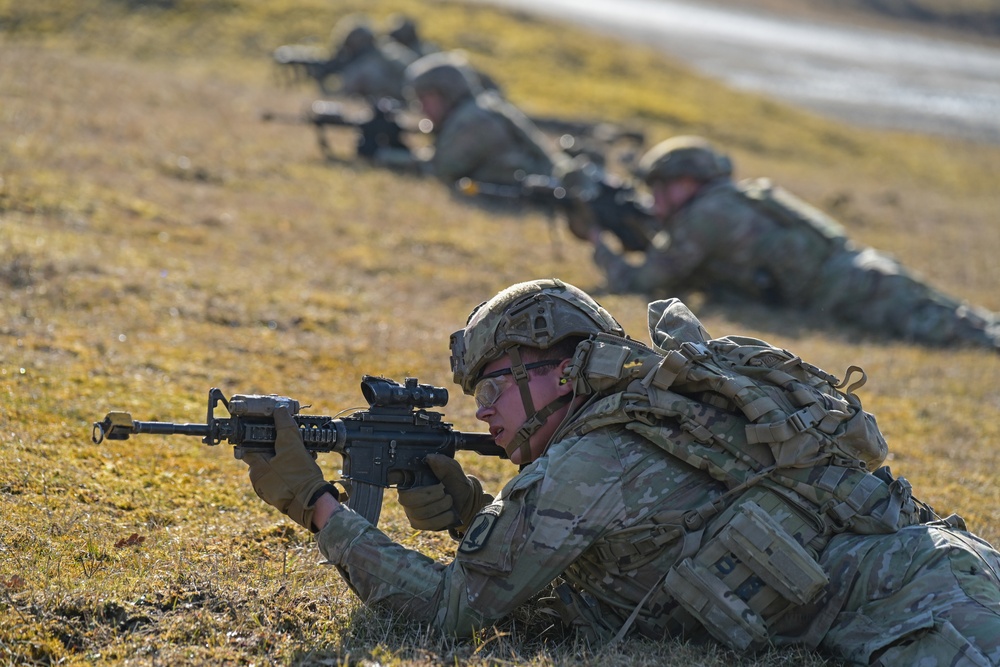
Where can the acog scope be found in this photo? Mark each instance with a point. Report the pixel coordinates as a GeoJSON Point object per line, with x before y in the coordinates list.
{"type": "Point", "coordinates": [383, 392]}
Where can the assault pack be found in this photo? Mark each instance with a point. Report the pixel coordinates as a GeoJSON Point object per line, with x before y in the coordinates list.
{"type": "Point", "coordinates": [799, 456]}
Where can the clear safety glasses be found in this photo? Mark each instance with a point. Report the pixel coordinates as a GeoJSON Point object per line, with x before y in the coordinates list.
{"type": "Point", "coordinates": [489, 388]}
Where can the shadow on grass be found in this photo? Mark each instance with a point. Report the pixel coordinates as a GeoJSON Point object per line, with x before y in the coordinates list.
{"type": "Point", "coordinates": [375, 636]}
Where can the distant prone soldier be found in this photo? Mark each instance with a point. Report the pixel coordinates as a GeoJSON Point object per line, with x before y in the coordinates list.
{"type": "Point", "coordinates": [759, 241]}
{"type": "Point", "coordinates": [358, 63]}
{"type": "Point", "coordinates": [477, 134]}
{"type": "Point", "coordinates": [367, 68]}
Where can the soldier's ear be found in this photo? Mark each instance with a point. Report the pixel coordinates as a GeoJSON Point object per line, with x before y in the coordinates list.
{"type": "Point", "coordinates": [564, 387]}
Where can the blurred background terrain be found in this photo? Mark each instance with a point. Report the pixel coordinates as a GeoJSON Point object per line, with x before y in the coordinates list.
{"type": "Point", "coordinates": [926, 67]}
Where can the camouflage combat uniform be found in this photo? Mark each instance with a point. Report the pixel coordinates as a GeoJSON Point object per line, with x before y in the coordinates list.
{"type": "Point", "coordinates": [487, 139]}
{"type": "Point", "coordinates": [916, 583]}
{"type": "Point", "coordinates": [761, 241]}
{"type": "Point", "coordinates": [683, 500]}
{"type": "Point", "coordinates": [537, 528]}
{"type": "Point", "coordinates": [643, 489]}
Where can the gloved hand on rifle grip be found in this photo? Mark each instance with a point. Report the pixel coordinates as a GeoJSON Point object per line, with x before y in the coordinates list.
{"type": "Point", "coordinates": [290, 479]}
{"type": "Point", "coordinates": [452, 503]}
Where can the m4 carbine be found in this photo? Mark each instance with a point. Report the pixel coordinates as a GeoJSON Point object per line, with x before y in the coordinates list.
{"type": "Point", "coordinates": [610, 206]}
{"type": "Point", "coordinates": [299, 62]}
{"type": "Point", "coordinates": [378, 127]}
{"type": "Point", "coordinates": [383, 446]}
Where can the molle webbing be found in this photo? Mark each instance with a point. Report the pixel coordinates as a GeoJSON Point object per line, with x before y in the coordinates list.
{"type": "Point", "coordinates": [792, 448]}
{"type": "Point", "coordinates": [735, 407]}
{"type": "Point", "coordinates": [634, 547]}
{"type": "Point", "coordinates": [607, 362]}
{"type": "Point", "coordinates": [848, 497]}
{"type": "Point", "coordinates": [759, 384]}
{"type": "Point", "coordinates": [793, 407]}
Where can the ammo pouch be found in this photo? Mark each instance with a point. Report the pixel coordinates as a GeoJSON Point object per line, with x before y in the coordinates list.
{"type": "Point", "coordinates": [750, 573]}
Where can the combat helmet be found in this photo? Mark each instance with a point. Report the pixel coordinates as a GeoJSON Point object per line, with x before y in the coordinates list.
{"type": "Point", "coordinates": [684, 156]}
{"type": "Point", "coordinates": [445, 73]}
{"type": "Point", "coordinates": [403, 29]}
{"type": "Point", "coordinates": [352, 36]}
{"type": "Point", "coordinates": [537, 314]}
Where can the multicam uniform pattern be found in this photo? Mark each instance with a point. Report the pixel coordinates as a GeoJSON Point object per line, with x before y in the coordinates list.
{"type": "Point", "coordinates": [487, 139]}
{"type": "Point", "coordinates": [540, 527]}
{"type": "Point", "coordinates": [926, 595]}
{"type": "Point", "coordinates": [602, 511]}
{"type": "Point", "coordinates": [760, 241]}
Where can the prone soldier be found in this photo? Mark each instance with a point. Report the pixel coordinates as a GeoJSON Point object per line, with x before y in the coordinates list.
{"type": "Point", "coordinates": [358, 64]}
{"type": "Point", "coordinates": [365, 67]}
{"type": "Point", "coordinates": [762, 242]}
{"type": "Point", "coordinates": [477, 134]}
{"type": "Point", "coordinates": [664, 492]}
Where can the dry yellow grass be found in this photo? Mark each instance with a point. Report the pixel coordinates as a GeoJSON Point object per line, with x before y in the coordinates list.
{"type": "Point", "coordinates": [156, 240]}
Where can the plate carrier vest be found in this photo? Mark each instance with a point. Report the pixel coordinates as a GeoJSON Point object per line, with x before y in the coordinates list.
{"type": "Point", "coordinates": [791, 443]}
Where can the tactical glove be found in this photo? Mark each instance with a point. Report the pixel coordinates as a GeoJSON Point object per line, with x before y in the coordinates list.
{"type": "Point", "coordinates": [289, 479]}
{"type": "Point", "coordinates": [452, 503]}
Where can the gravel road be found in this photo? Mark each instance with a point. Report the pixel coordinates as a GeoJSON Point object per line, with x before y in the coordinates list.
{"type": "Point", "coordinates": [866, 76]}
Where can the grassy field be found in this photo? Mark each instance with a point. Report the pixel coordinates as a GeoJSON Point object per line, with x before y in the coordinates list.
{"type": "Point", "coordinates": [157, 239]}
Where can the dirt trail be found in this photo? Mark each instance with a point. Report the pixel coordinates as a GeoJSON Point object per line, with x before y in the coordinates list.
{"type": "Point", "coordinates": [864, 75]}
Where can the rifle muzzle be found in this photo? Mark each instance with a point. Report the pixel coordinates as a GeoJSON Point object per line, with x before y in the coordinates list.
{"type": "Point", "coordinates": [116, 426]}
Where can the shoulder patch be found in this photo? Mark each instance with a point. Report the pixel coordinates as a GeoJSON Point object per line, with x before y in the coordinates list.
{"type": "Point", "coordinates": [475, 538]}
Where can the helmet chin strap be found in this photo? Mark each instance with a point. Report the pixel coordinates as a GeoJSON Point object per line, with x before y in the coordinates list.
{"type": "Point", "coordinates": [535, 418]}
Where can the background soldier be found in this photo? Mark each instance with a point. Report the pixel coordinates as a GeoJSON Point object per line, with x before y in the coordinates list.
{"type": "Point", "coordinates": [651, 511]}
{"type": "Point", "coordinates": [760, 241]}
{"type": "Point", "coordinates": [477, 134]}
{"type": "Point", "coordinates": [364, 67]}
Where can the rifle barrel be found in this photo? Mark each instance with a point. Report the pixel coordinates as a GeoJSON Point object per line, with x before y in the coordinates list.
{"type": "Point", "coordinates": [169, 428]}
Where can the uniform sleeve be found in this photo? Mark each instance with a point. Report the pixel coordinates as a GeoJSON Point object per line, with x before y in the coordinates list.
{"type": "Point", "coordinates": [543, 520]}
{"type": "Point", "coordinates": [670, 262]}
